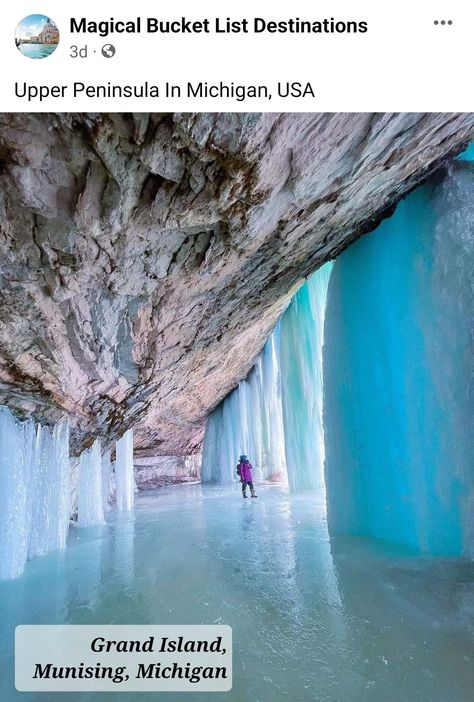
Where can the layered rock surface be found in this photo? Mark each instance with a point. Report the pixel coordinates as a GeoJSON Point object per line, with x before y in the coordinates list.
{"type": "Point", "coordinates": [145, 259]}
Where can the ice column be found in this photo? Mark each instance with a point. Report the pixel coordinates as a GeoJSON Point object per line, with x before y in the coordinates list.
{"type": "Point", "coordinates": [125, 484]}
{"type": "Point", "coordinates": [34, 491]}
{"type": "Point", "coordinates": [301, 348]}
{"type": "Point", "coordinates": [16, 465]}
{"type": "Point", "coordinates": [399, 374]}
{"type": "Point", "coordinates": [273, 459]}
{"type": "Point", "coordinates": [106, 474]}
{"type": "Point", "coordinates": [50, 491]}
{"type": "Point", "coordinates": [213, 449]}
{"type": "Point", "coordinates": [90, 508]}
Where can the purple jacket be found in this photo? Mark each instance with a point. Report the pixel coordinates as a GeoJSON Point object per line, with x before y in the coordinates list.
{"type": "Point", "coordinates": [246, 472]}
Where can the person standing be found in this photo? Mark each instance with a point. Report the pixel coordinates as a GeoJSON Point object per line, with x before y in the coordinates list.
{"type": "Point", "coordinates": [244, 470]}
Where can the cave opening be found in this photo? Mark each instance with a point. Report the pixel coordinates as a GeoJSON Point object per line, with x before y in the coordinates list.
{"type": "Point", "coordinates": [363, 394]}
{"type": "Point", "coordinates": [357, 555]}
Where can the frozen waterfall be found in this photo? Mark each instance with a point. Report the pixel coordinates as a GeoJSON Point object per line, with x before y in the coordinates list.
{"type": "Point", "coordinates": [106, 481]}
{"type": "Point", "coordinates": [275, 415]}
{"type": "Point", "coordinates": [50, 490]}
{"type": "Point", "coordinates": [34, 491]}
{"type": "Point", "coordinates": [248, 421]}
{"type": "Point", "coordinates": [125, 483]}
{"type": "Point", "coordinates": [301, 354]}
{"type": "Point", "coordinates": [35, 488]}
{"type": "Point", "coordinates": [90, 509]}
{"type": "Point", "coordinates": [398, 369]}
{"type": "Point", "coordinates": [399, 374]}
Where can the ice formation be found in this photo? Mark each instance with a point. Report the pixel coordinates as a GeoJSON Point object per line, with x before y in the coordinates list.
{"type": "Point", "coordinates": [398, 398]}
{"type": "Point", "coordinates": [90, 509]}
{"type": "Point", "coordinates": [34, 491]}
{"type": "Point", "coordinates": [248, 421]}
{"type": "Point", "coordinates": [125, 484]}
{"type": "Point", "coordinates": [106, 481]}
{"type": "Point", "coordinates": [243, 423]}
{"type": "Point", "coordinates": [398, 380]}
{"type": "Point", "coordinates": [301, 349]}
{"type": "Point", "coordinates": [398, 374]}
{"type": "Point", "coordinates": [275, 415]}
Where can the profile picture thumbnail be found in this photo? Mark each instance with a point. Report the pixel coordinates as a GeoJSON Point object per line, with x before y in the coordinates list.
{"type": "Point", "coordinates": [37, 36]}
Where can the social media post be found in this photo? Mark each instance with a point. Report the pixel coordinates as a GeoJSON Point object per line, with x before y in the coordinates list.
{"type": "Point", "coordinates": [295, 57]}
{"type": "Point", "coordinates": [236, 358]}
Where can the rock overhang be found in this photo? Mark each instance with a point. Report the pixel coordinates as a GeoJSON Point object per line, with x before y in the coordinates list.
{"type": "Point", "coordinates": [146, 258]}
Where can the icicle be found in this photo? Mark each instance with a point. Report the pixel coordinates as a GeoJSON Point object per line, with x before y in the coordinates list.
{"type": "Point", "coordinates": [255, 414]}
{"type": "Point", "coordinates": [90, 508]}
{"type": "Point", "coordinates": [212, 450]}
{"type": "Point", "coordinates": [232, 437]}
{"type": "Point", "coordinates": [125, 484]}
{"type": "Point", "coordinates": [274, 460]}
{"type": "Point", "coordinates": [62, 469]}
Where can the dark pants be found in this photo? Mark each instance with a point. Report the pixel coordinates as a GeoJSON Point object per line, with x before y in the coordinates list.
{"type": "Point", "coordinates": [244, 486]}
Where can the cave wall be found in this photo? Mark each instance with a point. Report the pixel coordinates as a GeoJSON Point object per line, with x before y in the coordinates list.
{"type": "Point", "coordinates": [158, 471]}
{"type": "Point", "coordinates": [145, 258]}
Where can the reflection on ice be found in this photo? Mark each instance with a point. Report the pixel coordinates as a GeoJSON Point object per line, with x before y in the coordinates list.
{"type": "Point", "coordinates": [123, 548]}
{"type": "Point", "coordinates": [90, 499]}
{"type": "Point", "coordinates": [341, 620]}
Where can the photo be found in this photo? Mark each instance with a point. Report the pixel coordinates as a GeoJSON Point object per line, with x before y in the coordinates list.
{"type": "Point", "coordinates": [36, 36]}
{"type": "Point", "coordinates": [237, 388]}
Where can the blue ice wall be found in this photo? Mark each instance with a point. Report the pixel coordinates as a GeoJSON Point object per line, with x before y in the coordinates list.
{"type": "Point", "coordinates": [398, 374]}
{"type": "Point", "coordinates": [468, 154]}
{"type": "Point", "coordinates": [248, 421]}
{"type": "Point", "coordinates": [275, 415]}
{"type": "Point", "coordinates": [301, 363]}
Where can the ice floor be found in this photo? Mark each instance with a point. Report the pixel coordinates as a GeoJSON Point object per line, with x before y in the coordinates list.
{"type": "Point", "coordinates": [346, 620]}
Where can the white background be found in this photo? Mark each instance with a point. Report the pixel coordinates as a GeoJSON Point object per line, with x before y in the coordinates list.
{"type": "Point", "coordinates": [403, 63]}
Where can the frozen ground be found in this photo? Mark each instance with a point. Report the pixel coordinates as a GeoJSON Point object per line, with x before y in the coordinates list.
{"type": "Point", "coordinates": [314, 620]}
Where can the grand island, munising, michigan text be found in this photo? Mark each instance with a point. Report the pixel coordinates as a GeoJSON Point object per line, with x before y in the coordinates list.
{"type": "Point", "coordinates": [143, 671]}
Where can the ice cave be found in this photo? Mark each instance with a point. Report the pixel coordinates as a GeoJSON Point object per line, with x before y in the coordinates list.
{"type": "Point", "coordinates": [172, 301]}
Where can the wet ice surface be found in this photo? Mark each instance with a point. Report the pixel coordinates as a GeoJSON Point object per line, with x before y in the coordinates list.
{"type": "Point", "coordinates": [313, 620]}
